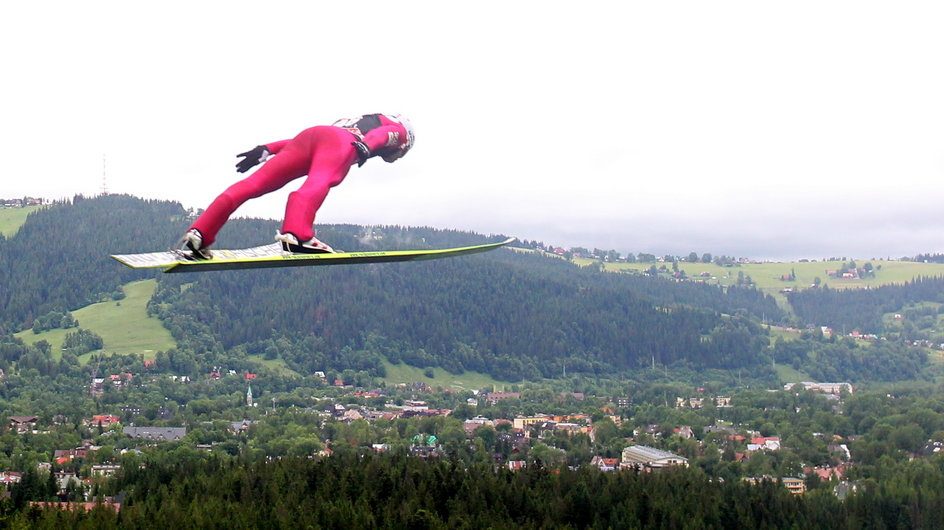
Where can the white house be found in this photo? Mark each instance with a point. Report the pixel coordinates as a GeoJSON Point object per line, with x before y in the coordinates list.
{"type": "Point", "coordinates": [641, 456]}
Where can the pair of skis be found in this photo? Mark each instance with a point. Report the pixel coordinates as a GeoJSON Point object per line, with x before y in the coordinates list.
{"type": "Point", "coordinates": [270, 256]}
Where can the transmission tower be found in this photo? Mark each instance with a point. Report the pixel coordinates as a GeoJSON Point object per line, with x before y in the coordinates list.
{"type": "Point", "coordinates": [104, 181]}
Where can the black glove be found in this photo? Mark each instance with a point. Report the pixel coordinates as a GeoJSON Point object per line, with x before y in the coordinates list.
{"type": "Point", "coordinates": [363, 152]}
{"type": "Point", "coordinates": [254, 156]}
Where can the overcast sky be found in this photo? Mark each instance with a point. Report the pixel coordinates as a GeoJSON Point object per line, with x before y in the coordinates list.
{"type": "Point", "coordinates": [759, 129]}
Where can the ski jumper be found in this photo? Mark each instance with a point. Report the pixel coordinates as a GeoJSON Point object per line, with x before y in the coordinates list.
{"type": "Point", "coordinates": [325, 154]}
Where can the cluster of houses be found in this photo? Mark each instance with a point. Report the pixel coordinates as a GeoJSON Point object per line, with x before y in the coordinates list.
{"type": "Point", "coordinates": [520, 430]}
{"type": "Point", "coordinates": [872, 337]}
{"type": "Point", "coordinates": [69, 461]}
{"type": "Point", "coordinates": [65, 460]}
{"type": "Point", "coordinates": [845, 274]}
{"type": "Point", "coordinates": [517, 434]}
{"type": "Point", "coordinates": [794, 485]}
{"type": "Point", "coordinates": [699, 402]}
{"type": "Point", "coordinates": [830, 389]}
{"type": "Point", "coordinates": [117, 381]}
{"type": "Point", "coordinates": [20, 203]}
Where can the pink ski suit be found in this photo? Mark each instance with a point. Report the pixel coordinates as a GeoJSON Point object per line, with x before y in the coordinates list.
{"type": "Point", "coordinates": [325, 153]}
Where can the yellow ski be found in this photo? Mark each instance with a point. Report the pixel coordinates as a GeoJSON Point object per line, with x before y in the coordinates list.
{"type": "Point", "coordinates": [270, 256]}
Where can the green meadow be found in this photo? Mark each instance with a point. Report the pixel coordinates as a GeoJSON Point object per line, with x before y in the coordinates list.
{"type": "Point", "coordinates": [403, 373]}
{"type": "Point", "coordinates": [277, 366]}
{"type": "Point", "coordinates": [124, 325]}
{"type": "Point", "coordinates": [770, 276]}
{"type": "Point", "coordinates": [788, 374]}
{"type": "Point", "coordinates": [12, 218]}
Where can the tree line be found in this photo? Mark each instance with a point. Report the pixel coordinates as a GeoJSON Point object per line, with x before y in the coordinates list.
{"type": "Point", "coordinates": [862, 309]}
{"type": "Point", "coordinates": [845, 359]}
{"type": "Point", "coordinates": [395, 491]}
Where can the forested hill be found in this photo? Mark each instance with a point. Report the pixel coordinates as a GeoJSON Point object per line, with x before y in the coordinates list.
{"type": "Point", "coordinates": [510, 313]}
{"type": "Point", "coordinates": [863, 309]}
{"type": "Point", "coordinates": [59, 258]}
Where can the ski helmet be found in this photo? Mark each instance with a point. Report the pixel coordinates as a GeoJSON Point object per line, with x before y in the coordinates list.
{"type": "Point", "coordinates": [409, 130]}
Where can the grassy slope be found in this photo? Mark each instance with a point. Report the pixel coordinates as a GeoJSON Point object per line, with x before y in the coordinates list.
{"type": "Point", "coordinates": [124, 326]}
{"type": "Point", "coordinates": [12, 218]}
{"type": "Point", "coordinates": [788, 374]}
{"type": "Point", "coordinates": [767, 275]}
{"type": "Point", "coordinates": [403, 373]}
{"type": "Point", "coordinates": [276, 365]}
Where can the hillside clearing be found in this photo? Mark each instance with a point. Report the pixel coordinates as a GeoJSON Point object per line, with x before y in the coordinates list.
{"type": "Point", "coordinates": [768, 276]}
{"type": "Point", "coordinates": [124, 325]}
{"type": "Point", "coordinates": [278, 366]}
{"type": "Point", "coordinates": [404, 373]}
{"type": "Point", "coordinates": [11, 219]}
